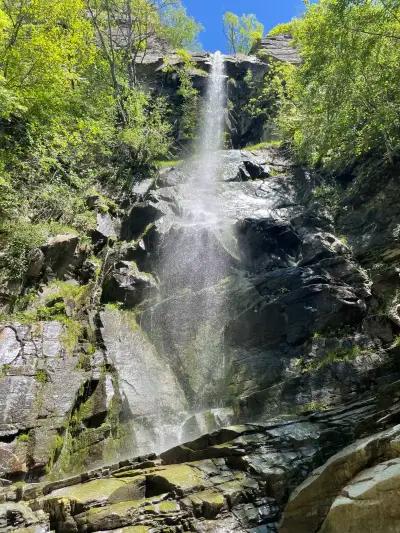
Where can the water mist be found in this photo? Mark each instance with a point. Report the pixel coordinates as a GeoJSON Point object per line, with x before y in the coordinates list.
{"type": "Point", "coordinates": [194, 262]}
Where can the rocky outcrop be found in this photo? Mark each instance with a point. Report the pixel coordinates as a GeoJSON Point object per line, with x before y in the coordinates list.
{"type": "Point", "coordinates": [154, 400]}
{"type": "Point", "coordinates": [279, 47]}
{"type": "Point", "coordinates": [160, 73]}
{"type": "Point", "coordinates": [46, 395]}
{"type": "Point", "coordinates": [235, 479]}
{"type": "Point", "coordinates": [356, 490]}
{"type": "Point", "coordinates": [126, 284]}
{"type": "Point", "coordinates": [292, 287]}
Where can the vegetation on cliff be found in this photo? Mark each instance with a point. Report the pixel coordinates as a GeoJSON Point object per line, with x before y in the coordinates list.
{"type": "Point", "coordinates": [341, 106]}
{"type": "Point", "coordinates": [72, 111]}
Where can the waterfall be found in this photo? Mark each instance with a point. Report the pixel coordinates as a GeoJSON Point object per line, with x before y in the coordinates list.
{"type": "Point", "coordinates": [202, 178]}
{"type": "Point", "coordinates": [193, 263]}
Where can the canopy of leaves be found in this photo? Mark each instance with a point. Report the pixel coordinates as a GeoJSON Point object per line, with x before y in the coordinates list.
{"type": "Point", "coordinates": [242, 32]}
{"type": "Point", "coordinates": [180, 30]}
{"type": "Point", "coordinates": [343, 102]}
{"type": "Point", "coordinates": [73, 114]}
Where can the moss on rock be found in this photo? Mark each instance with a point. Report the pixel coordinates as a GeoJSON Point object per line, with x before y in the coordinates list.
{"type": "Point", "coordinates": [101, 491]}
{"type": "Point", "coordinates": [182, 478]}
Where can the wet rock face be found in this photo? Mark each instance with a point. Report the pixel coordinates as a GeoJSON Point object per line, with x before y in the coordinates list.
{"type": "Point", "coordinates": [290, 283]}
{"type": "Point", "coordinates": [298, 332]}
{"type": "Point", "coordinates": [153, 396]}
{"type": "Point", "coordinates": [41, 387]}
{"type": "Point", "coordinates": [61, 255]}
{"type": "Point", "coordinates": [152, 71]}
{"type": "Point", "coordinates": [235, 479]}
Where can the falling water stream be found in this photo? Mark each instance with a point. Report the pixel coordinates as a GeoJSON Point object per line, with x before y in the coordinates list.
{"type": "Point", "coordinates": [193, 264]}
{"type": "Point", "coordinates": [202, 179]}
{"type": "Point", "coordinates": [172, 366]}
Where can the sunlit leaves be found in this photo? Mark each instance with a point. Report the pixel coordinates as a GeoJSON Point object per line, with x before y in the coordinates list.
{"type": "Point", "coordinates": [179, 28]}
{"type": "Point", "coordinates": [345, 97]}
{"type": "Point", "coordinates": [242, 32]}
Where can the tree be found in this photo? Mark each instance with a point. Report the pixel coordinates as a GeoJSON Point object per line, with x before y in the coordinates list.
{"type": "Point", "coordinates": [45, 50]}
{"type": "Point", "coordinates": [123, 29]}
{"type": "Point", "coordinates": [242, 32]}
{"type": "Point", "coordinates": [180, 29]}
{"type": "Point", "coordinates": [344, 99]}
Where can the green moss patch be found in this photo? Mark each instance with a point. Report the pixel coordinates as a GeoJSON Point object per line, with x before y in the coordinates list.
{"type": "Point", "coordinates": [100, 491]}
{"type": "Point", "coordinates": [182, 478]}
{"type": "Point", "coordinates": [341, 355]}
{"type": "Point", "coordinates": [207, 503]}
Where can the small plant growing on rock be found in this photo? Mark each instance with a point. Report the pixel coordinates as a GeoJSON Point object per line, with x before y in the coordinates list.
{"type": "Point", "coordinates": [341, 355]}
{"type": "Point", "coordinates": [24, 437]}
{"type": "Point", "coordinates": [4, 369]}
{"type": "Point", "coordinates": [396, 342]}
{"type": "Point", "coordinates": [41, 376]}
{"type": "Point", "coordinates": [312, 407]}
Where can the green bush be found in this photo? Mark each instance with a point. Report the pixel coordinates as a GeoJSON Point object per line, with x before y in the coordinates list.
{"type": "Point", "coordinates": [24, 437]}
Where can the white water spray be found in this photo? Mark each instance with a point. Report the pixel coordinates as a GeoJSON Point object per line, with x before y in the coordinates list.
{"type": "Point", "coordinates": [202, 181]}
{"type": "Point", "coordinates": [194, 261]}
{"type": "Point", "coordinates": [173, 365]}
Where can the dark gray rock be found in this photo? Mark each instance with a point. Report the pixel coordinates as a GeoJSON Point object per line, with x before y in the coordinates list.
{"type": "Point", "coordinates": [36, 261]}
{"type": "Point", "coordinates": [141, 188]}
{"type": "Point", "coordinates": [126, 284]}
{"type": "Point", "coordinates": [106, 228]}
{"type": "Point", "coordinates": [61, 255]}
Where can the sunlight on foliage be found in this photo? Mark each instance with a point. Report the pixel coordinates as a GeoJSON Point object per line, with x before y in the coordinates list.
{"type": "Point", "coordinates": [342, 102]}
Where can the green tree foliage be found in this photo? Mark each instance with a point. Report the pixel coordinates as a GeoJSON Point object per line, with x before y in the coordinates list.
{"type": "Point", "coordinates": [242, 32]}
{"type": "Point", "coordinates": [186, 100]}
{"type": "Point", "coordinates": [343, 101]}
{"type": "Point", "coordinates": [124, 29]}
{"type": "Point", "coordinates": [180, 30]}
{"type": "Point", "coordinates": [49, 123]}
{"type": "Point", "coordinates": [73, 114]}
{"type": "Point", "coordinates": [266, 97]}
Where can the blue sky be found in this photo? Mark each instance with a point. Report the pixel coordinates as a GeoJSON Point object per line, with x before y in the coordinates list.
{"type": "Point", "coordinates": [210, 12]}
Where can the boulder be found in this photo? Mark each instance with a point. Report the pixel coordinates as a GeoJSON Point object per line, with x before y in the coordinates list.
{"type": "Point", "coordinates": [60, 254]}
{"type": "Point", "coordinates": [126, 284]}
{"type": "Point", "coordinates": [106, 228]}
{"type": "Point", "coordinates": [19, 517]}
{"type": "Point", "coordinates": [370, 502]}
{"type": "Point", "coordinates": [322, 497]}
{"type": "Point", "coordinates": [36, 261]}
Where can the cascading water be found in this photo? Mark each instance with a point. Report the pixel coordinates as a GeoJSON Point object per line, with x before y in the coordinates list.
{"type": "Point", "coordinates": [171, 363]}
{"type": "Point", "coordinates": [193, 263]}
{"type": "Point", "coordinates": [202, 180]}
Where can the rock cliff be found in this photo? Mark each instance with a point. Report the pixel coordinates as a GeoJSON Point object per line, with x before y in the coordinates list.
{"type": "Point", "coordinates": [295, 431]}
